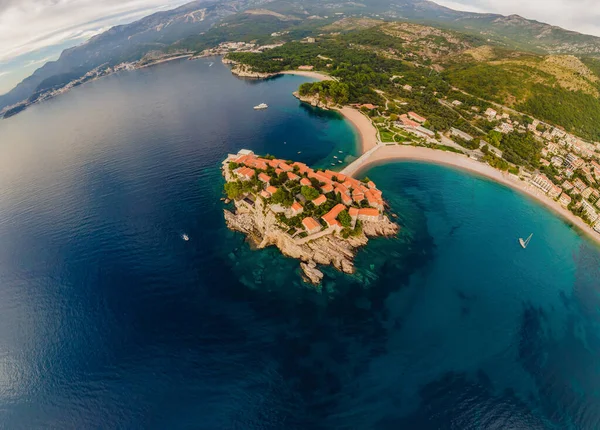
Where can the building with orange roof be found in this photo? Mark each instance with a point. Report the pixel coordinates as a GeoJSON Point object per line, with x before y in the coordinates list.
{"type": "Point", "coordinates": [306, 182]}
{"type": "Point", "coordinates": [296, 209]}
{"type": "Point", "coordinates": [285, 167]}
{"type": "Point", "coordinates": [341, 189]}
{"type": "Point", "coordinates": [271, 190]}
{"type": "Point", "coordinates": [302, 168]}
{"type": "Point", "coordinates": [417, 117]}
{"type": "Point", "coordinates": [374, 201]}
{"type": "Point", "coordinates": [331, 217]}
{"type": "Point", "coordinates": [264, 178]}
{"type": "Point", "coordinates": [292, 176]}
{"type": "Point", "coordinates": [371, 184]}
{"type": "Point", "coordinates": [278, 171]}
{"type": "Point", "coordinates": [341, 177]}
{"type": "Point", "coordinates": [274, 163]}
{"type": "Point", "coordinates": [358, 196]}
{"type": "Point", "coordinates": [319, 200]}
{"type": "Point", "coordinates": [311, 225]}
{"type": "Point", "coordinates": [265, 194]}
{"type": "Point", "coordinates": [245, 173]}
{"type": "Point", "coordinates": [327, 188]}
{"type": "Point", "coordinates": [346, 199]}
{"type": "Point", "coordinates": [368, 214]}
{"type": "Point", "coordinates": [353, 212]}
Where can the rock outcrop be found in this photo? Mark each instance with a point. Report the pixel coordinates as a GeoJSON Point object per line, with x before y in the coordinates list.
{"type": "Point", "coordinates": [245, 71]}
{"type": "Point", "coordinates": [315, 101]}
{"type": "Point", "coordinates": [263, 229]}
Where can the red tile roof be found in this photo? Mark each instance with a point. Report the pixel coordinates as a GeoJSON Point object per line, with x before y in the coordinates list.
{"type": "Point", "coordinates": [320, 200]}
{"type": "Point", "coordinates": [416, 117]}
{"type": "Point", "coordinates": [346, 199]}
{"type": "Point", "coordinates": [327, 188]}
{"type": "Point", "coordinates": [330, 217]}
{"type": "Point", "coordinates": [353, 212]}
{"type": "Point", "coordinates": [296, 207]}
{"type": "Point", "coordinates": [264, 177]}
{"type": "Point", "coordinates": [305, 181]}
{"type": "Point", "coordinates": [311, 224]}
{"type": "Point", "coordinates": [271, 189]}
{"type": "Point", "coordinates": [368, 212]}
{"type": "Point", "coordinates": [292, 176]}
{"type": "Point", "coordinates": [284, 166]}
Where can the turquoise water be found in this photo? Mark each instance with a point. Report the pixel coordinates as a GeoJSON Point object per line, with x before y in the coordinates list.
{"type": "Point", "coordinates": [108, 319]}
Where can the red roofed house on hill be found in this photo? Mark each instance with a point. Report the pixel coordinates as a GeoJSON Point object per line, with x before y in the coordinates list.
{"type": "Point", "coordinates": [271, 190]}
{"type": "Point", "coordinates": [292, 176]}
{"type": "Point", "coordinates": [264, 178]}
{"type": "Point", "coordinates": [319, 200]}
{"type": "Point", "coordinates": [417, 117]}
{"type": "Point", "coordinates": [296, 209]}
{"type": "Point", "coordinates": [311, 225]}
{"type": "Point", "coordinates": [305, 182]}
{"type": "Point", "coordinates": [331, 217]}
{"type": "Point", "coordinates": [368, 214]}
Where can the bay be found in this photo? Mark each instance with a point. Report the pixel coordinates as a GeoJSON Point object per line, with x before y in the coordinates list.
{"type": "Point", "coordinates": [109, 319]}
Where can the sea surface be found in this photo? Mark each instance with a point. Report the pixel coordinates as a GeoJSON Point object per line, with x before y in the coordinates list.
{"type": "Point", "coordinates": [109, 319]}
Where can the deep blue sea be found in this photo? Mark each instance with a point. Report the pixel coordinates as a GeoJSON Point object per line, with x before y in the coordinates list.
{"type": "Point", "coordinates": [108, 319]}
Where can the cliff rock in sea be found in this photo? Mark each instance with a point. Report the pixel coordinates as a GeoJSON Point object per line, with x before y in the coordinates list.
{"type": "Point", "coordinates": [245, 71]}
{"type": "Point", "coordinates": [315, 101]}
{"type": "Point", "coordinates": [263, 229]}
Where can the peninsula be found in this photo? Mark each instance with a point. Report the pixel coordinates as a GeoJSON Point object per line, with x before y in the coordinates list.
{"type": "Point", "coordinates": [316, 216]}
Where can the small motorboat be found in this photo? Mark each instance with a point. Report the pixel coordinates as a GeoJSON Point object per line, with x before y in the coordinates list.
{"type": "Point", "coordinates": [185, 237]}
{"type": "Point", "coordinates": [261, 106]}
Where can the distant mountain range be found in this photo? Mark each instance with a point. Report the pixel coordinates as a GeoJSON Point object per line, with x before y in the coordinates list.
{"type": "Point", "coordinates": [161, 30]}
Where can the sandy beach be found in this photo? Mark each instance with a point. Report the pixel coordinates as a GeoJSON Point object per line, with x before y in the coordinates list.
{"type": "Point", "coordinates": [380, 154]}
{"type": "Point", "coordinates": [366, 131]}
{"type": "Point", "coordinates": [309, 74]}
{"type": "Point", "coordinates": [410, 153]}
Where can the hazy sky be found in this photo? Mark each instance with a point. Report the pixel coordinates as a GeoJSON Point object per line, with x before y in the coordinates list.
{"type": "Point", "coordinates": [33, 32]}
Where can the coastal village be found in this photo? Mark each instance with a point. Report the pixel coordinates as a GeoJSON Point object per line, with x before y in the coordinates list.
{"type": "Point", "coordinates": [569, 170]}
{"type": "Point", "coordinates": [317, 216]}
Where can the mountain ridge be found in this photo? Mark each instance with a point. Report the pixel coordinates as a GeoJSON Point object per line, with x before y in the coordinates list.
{"type": "Point", "coordinates": [160, 30]}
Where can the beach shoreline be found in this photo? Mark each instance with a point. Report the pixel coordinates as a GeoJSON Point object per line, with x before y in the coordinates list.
{"type": "Point", "coordinates": [386, 154]}
{"type": "Point", "coordinates": [367, 133]}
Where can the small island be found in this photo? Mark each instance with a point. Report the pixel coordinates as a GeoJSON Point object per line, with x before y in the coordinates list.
{"type": "Point", "coordinates": [316, 216]}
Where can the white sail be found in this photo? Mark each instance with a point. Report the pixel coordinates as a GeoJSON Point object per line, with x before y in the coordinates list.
{"type": "Point", "coordinates": [525, 243]}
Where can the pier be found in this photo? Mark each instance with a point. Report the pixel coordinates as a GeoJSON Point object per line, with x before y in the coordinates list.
{"type": "Point", "coordinates": [352, 168]}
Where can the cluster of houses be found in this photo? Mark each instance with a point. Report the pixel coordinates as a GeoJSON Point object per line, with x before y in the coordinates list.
{"type": "Point", "coordinates": [577, 177]}
{"type": "Point", "coordinates": [354, 195]}
{"type": "Point", "coordinates": [413, 123]}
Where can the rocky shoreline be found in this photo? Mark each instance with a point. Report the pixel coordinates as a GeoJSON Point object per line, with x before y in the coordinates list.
{"type": "Point", "coordinates": [245, 71]}
{"type": "Point", "coordinates": [262, 229]}
{"type": "Point", "coordinates": [315, 101]}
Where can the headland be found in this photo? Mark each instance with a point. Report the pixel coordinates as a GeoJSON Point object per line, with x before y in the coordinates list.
{"type": "Point", "coordinates": [316, 216]}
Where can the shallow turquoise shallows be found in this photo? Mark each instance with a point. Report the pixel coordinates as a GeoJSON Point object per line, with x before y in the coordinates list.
{"type": "Point", "coordinates": [109, 319]}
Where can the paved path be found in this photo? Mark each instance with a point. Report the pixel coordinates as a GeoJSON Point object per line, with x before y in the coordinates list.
{"type": "Point", "coordinates": [353, 167]}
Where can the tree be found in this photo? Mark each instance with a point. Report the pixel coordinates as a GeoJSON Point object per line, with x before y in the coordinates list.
{"type": "Point", "coordinates": [344, 218]}
{"type": "Point", "coordinates": [309, 193]}
{"type": "Point", "coordinates": [234, 190]}
{"type": "Point", "coordinates": [283, 198]}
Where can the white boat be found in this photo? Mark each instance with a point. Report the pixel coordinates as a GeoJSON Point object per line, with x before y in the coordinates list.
{"type": "Point", "coordinates": [335, 156]}
{"type": "Point", "coordinates": [211, 64]}
{"type": "Point", "coordinates": [185, 237]}
{"type": "Point", "coordinates": [261, 106]}
{"type": "Point", "coordinates": [525, 243]}
{"type": "Point", "coordinates": [340, 152]}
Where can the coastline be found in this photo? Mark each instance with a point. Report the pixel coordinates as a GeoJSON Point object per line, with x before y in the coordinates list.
{"type": "Point", "coordinates": [367, 133]}
{"type": "Point", "coordinates": [386, 154]}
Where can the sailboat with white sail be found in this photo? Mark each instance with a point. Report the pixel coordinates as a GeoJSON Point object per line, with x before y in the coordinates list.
{"type": "Point", "coordinates": [525, 243]}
